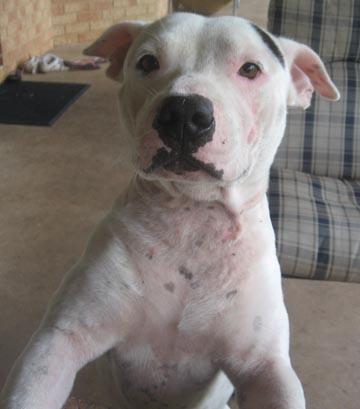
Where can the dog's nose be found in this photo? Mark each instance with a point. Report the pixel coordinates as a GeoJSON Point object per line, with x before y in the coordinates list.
{"type": "Point", "coordinates": [185, 121]}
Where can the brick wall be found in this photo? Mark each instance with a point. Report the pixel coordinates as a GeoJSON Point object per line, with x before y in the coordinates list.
{"type": "Point", "coordinates": [82, 20]}
{"type": "Point", "coordinates": [25, 29]}
{"type": "Point", "coordinates": [32, 27]}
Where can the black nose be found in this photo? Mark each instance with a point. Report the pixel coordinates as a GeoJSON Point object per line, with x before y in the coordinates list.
{"type": "Point", "coordinates": [185, 122]}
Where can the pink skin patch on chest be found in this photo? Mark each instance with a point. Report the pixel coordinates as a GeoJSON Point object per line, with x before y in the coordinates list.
{"type": "Point", "coordinates": [151, 253]}
{"type": "Point", "coordinates": [233, 232]}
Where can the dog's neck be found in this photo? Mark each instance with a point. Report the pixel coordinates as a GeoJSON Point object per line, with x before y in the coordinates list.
{"type": "Point", "coordinates": [236, 197]}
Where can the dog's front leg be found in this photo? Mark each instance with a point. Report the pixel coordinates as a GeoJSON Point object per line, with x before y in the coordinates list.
{"type": "Point", "coordinates": [43, 375]}
{"type": "Point", "coordinates": [272, 385]}
{"type": "Point", "coordinates": [87, 317]}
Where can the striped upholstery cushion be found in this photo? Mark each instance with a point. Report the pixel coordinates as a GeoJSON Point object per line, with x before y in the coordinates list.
{"type": "Point", "coordinates": [325, 139]}
{"type": "Point", "coordinates": [315, 181]}
{"type": "Point", "coordinates": [317, 224]}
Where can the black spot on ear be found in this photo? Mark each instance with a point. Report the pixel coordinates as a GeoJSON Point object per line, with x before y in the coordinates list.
{"type": "Point", "coordinates": [270, 43]}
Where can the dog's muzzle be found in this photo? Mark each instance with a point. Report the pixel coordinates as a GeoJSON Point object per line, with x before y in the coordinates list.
{"type": "Point", "coordinates": [185, 123]}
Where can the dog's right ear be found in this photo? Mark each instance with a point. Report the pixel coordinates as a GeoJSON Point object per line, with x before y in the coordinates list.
{"type": "Point", "coordinates": [114, 44]}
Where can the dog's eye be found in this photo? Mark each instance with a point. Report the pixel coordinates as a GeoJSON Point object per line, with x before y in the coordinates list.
{"type": "Point", "coordinates": [249, 70]}
{"type": "Point", "coordinates": [148, 63]}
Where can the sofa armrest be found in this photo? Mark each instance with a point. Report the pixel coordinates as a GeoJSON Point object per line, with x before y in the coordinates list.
{"type": "Point", "coordinates": [331, 28]}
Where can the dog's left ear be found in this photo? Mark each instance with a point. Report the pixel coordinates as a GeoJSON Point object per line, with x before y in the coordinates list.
{"type": "Point", "coordinates": [114, 44]}
{"type": "Point", "coordinates": [308, 74]}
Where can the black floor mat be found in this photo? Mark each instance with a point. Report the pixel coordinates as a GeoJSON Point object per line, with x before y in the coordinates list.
{"type": "Point", "coordinates": [36, 103]}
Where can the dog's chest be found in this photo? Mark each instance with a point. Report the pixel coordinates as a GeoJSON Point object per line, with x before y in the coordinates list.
{"type": "Point", "coordinates": [196, 265]}
{"type": "Point", "coordinates": [193, 244]}
{"type": "Point", "coordinates": [195, 262]}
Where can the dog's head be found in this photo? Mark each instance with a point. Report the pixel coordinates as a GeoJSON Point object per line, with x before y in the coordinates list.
{"type": "Point", "coordinates": [204, 99]}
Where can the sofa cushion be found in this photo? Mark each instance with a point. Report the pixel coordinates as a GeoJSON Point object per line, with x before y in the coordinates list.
{"type": "Point", "coordinates": [325, 139]}
{"type": "Point", "coordinates": [331, 28]}
{"type": "Point", "coordinates": [317, 225]}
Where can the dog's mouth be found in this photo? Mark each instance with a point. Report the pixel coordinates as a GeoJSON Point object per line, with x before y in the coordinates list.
{"type": "Point", "coordinates": [179, 163]}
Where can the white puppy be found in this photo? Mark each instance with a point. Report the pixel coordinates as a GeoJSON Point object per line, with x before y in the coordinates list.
{"type": "Point", "coordinates": [179, 289]}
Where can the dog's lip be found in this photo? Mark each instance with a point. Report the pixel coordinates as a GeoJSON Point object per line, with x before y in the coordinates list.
{"type": "Point", "coordinates": [180, 163]}
{"type": "Point", "coordinates": [208, 168]}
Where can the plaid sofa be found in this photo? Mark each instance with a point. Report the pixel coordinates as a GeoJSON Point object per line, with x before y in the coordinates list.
{"type": "Point", "coordinates": [314, 190]}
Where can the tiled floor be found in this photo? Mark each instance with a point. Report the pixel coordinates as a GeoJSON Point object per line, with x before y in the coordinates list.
{"type": "Point", "coordinates": [57, 183]}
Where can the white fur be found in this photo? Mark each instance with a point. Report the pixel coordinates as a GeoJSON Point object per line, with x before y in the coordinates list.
{"type": "Point", "coordinates": [180, 285]}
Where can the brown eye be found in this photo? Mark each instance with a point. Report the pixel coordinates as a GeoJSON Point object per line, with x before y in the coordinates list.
{"type": "Point", "coordinates": [249, 70]}
{"type": "Point", "coordinates": [148, 63]}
